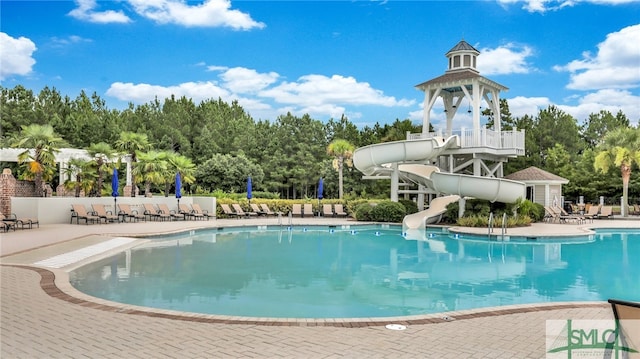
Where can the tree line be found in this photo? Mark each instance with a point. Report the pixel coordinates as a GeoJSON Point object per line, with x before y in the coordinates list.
{"type": "Point", "coordinates": [219, 144]}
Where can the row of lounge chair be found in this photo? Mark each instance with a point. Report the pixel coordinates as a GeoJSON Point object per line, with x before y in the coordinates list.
{"type": "Point", "coordinates": [306, 210]}
{"type": "Point", "coordinates": [161, 212]}
{"type": "Point", "coordinates": [13, 222]}
{"type": "Point", "coordinates": [559, 215]}
{"type": "Point", "coordinates": [299, 210]}
{"type": "Point", "coordinates": [235, 210]}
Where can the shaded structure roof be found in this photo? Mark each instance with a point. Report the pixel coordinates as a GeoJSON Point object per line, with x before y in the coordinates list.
{"type": "Point", "coordinates": [462, 46]}
{"type": "Point", "coordinates": [535, 174]}
{"type": "Point", "coordinates": [455, 78]}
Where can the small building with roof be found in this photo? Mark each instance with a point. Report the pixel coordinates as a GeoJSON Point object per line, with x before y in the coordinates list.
{"type": "Point", "coordinates": [543, 187]}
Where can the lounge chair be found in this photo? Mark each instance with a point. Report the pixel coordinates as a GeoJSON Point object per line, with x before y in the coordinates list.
{"type": "Point", "coordinates": [296, 210]}
{"type": "Point", "coordinates": [228, 211]}
{"type": "Point", "coordinates": [552, 215]}
{"type": "Point", "coordinates": [570, 216]}
{"type": "Point", "coordinates": [154, 213]}
{"type": "Point", "coordinates": [327, 210]}
{"type": "Point", "coordinates": [606, 212]}
{"type": "Point", "coordinates": [258, 210]}
{"type": "Point", "coordinates": [80, 212]}
{"type": "Point", "coordinates": [338, 209]}
{"type": "Point", "coordinates": [268, 211]}
{"type": "Point", "coordinates": [307, 210]}
{"type": "Point", "coordinates": [197, 210]}
{"type": "Point", "coordinates": [20, 221]}
{"type": "Point", "coordinates": [164, 209]}
{"type": "Point", "coordinates": [241, 212]}
{"type": "Point", "coordinates": [127, 212]}
{"type": "Point", "coordinates": [627, 316]}
{"type": "Point", "coordinates": [188, 213]}
{"type": "Point", "coordinates": [592, 212]}
{"type": "Point", "coordinates": [102, 212]}
{"type": "Point", "coordinates": [7, 224]}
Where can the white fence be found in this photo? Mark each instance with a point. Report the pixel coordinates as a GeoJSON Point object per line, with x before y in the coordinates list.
{"type": "Point", "coordinates": [49, 210]}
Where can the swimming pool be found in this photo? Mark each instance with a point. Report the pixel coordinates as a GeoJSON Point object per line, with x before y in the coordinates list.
{"type": "Point", "coordinates": [363, 271]}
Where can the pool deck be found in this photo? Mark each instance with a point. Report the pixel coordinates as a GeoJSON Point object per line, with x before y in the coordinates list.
{"type": "Point", "coordinates": [43, 317]}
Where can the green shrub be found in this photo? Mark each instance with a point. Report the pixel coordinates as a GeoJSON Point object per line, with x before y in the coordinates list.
{"type": "Point", "coordinates": [451, 213]}
{"type": "Point", "coordinates": [410, 207]}
{"type": "Point", "coordinates": [362, 211]}
{"type": "Point", "coordinates": [388, 211]}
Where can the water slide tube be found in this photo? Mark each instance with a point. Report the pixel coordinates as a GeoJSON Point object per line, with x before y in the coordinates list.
{"type": "Point", "coordinates": [373, 158]}
{"type": "Point", "coordinates": [376, 158]}
{"type": "Point", "coordinates": [431, 215]}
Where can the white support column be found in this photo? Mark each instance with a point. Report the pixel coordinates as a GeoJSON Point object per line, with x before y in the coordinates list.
{"type": "Point", "coordinates": [394, 183]}
{"type": "Point", "coordinates": [426, 112]}
{"type": "Point", "coordinates": [420, 202]}
{"type": "Point", "coordinates": [497, 119]}
{"type": "Point", "coordinates": [476, 110]}
{"type": "Point", "coordinates": [62, 166]}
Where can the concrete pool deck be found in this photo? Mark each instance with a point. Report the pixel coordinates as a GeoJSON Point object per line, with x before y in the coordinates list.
{"type": "Point", "coordinates": [40, 319]}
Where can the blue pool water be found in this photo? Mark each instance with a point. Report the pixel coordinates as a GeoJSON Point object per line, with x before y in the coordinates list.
{"type": "Point", "coordinates": [368, 271]}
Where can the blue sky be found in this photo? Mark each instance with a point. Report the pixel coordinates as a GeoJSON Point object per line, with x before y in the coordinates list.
{"type": "Point", "coordinates": [326, 58]}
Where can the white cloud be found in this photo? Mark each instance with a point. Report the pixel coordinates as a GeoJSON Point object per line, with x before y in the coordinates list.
{"type": "Point", "coordinates": [520, 106]}
{"type": "Point", "coordinates": [506, 59]}
{"type": "Point", "coordinates": [616, 65]}
{"type": "Point", "coordinates": [611, 100]}
{"type": "Point", "coordinates": [85, 11]}
{"type": "Point", "coordinates": [553, 5]}
{"type": "Point", "coordinates": [142, 93]}
{"type": "Point", "coordinates": [211, 13]}
{"type": "Point", "coordinates": [243, 80]}
{"type": "Point", "coordinates": [264, 97]}
{"type": "Point", "coordinates": [16, 57]}
{"type": "Point", "coordinates": [61, 42]}
{"type": "Point", "coordinates": [317, 91]}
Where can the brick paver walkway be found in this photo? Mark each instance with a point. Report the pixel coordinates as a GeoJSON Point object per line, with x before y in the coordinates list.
{"type": "Point", "coordinates": [34, 324]}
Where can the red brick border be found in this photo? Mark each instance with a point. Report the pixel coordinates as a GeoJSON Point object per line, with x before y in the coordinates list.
{"type": "Point", "coordinates": [47, 283]}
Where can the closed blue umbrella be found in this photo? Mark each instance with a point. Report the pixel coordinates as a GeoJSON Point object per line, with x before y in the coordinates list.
{"type": "Point", "coordinates": [320, 190]}
{"type": "Point", "coordinates": [114, 188]}
{"type": "Point", "coordinates": [249, 189]}
{"type": "Point", "coordinates": [178, 188]}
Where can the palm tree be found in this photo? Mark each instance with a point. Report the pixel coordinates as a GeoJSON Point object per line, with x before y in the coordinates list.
{"type": "Point", "coordinates": [619, 148]}
{"type": "Point", "coordinates": [41, 144]}
{"type": "Point", "coordinates": [131, 143]}
{"type": "Point", "coordinates": [342, 150]}
{"type": "Point", "coordinates": [177, 163]}
{"type": "Point", "coordinates": [83, 173]}
{"type": "Point", "coordinates": [101, 153]}
{"type": "Point", "coordinates": [150, 169]}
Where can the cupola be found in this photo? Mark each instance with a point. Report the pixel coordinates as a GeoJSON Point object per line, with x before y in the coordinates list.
{"type": "Point", "coordinates": [462, 57]}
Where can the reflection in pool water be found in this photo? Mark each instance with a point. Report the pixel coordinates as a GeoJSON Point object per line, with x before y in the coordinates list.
{"type": "Point", "coordinates": [322, 272]}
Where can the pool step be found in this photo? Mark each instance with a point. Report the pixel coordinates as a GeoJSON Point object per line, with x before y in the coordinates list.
{"type": "Point", "coordinates": [76, 256]}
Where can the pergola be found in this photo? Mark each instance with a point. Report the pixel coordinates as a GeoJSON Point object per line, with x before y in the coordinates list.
{"type": "Point", "coordinates": [62, 158]}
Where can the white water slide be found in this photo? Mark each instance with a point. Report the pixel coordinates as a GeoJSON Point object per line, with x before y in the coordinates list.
{"type": "Point", "coordinates": [411, 156]}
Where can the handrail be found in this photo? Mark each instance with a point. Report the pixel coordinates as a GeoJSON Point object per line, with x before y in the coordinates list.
{"type": "Point", "coordinates": [490, 225]}
{"type": "Point", "coordinates": [504, 225]}
{"type": "Point", "coordinates": [469, 138]}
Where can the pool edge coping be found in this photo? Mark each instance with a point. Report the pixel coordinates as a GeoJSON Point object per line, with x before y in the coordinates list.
{"type": "Point", "coordinates": [55, 283]}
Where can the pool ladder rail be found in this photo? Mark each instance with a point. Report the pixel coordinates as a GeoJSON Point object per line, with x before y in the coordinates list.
{"type": "Point", "coordinates": [491, 225]}
{"type": "Point", "coordinates": [289, 219]}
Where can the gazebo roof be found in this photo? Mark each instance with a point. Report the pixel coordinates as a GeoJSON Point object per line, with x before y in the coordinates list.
{"type": "Point", "coordinates": [535, 174]}
{"type": "Point", "coordinates": [455, 79]}
{"type": "Point", "coordinates": [462, 46]}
